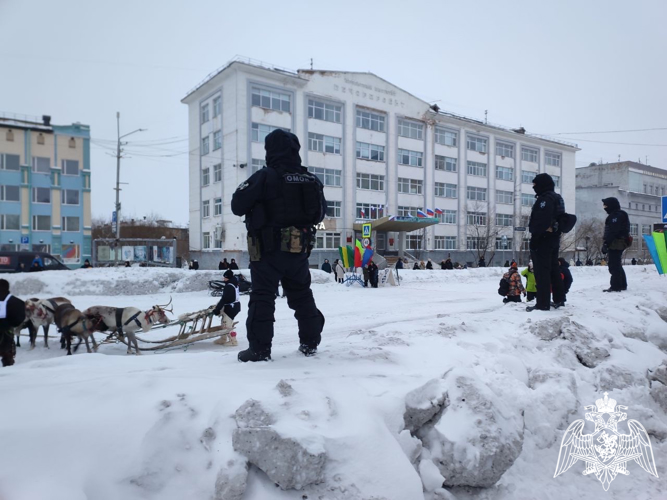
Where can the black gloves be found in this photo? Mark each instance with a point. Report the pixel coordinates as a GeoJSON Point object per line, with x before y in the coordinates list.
{"type": "Point", "coordinates": [605, 249]}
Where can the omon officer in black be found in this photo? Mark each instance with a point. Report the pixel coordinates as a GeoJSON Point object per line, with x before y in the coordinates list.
{"type": "Point", "coordinates": [281, 203]}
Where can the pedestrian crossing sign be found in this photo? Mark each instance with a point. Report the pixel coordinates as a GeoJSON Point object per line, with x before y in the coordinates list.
{"type": "Point", "coordinates": [366, 230]}
{"type": "Point", "coordinates": [664, 209]}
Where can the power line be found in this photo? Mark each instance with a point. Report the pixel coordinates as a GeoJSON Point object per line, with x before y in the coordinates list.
{"type": "Point", "coordinates": [620, 143]}
{"type": "Point", "coordinates": [611, 131]}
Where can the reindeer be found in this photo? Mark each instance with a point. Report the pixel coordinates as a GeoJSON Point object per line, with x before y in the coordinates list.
{"type": "Point", "coordinates": [128, 320]}
{"type": "Point", "coordinates": [41, 313]}
{"type": "Point", "coordinates": [70, 322]}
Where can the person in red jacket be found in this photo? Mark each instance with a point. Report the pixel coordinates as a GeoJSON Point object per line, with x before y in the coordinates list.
{"type": "Point", "coordinates": [516, 286]}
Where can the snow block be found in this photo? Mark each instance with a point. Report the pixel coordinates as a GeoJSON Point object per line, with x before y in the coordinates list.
{"type": "Point", "coordinates": [549, 329]}
{"type": "Point", "coordinates": [658, 374]}
{"type": "Point", "coordinates": [287, 462]}
{"type": "Point", "coordinates": [231, 481]}
{"type": "Point", "coordinates": [478, 436]}
{"type": "Point", "coordinates": [424, 403]}
{"type": "Point", "coordinates": [412, 447]}
{"type": "Point", "coordinates": [659, 395]}
{"type": "Point", "coordinates": [252, 414]}
{"type": "Point", "coordinates": [611, 377]}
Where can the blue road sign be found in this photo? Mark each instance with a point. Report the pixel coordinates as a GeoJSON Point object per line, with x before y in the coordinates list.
{"type": "Point", "coordinates": [664, 209]}
{"type": "Point", "coordinates": [25, 240]}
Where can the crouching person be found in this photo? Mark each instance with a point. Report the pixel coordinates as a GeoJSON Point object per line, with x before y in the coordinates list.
{"type": "Point", "coordinates": [515, 288]}
{"type": "Point", "coordinates": [229, 306]}
{"type": "Point", "coordinates": [12, 314]}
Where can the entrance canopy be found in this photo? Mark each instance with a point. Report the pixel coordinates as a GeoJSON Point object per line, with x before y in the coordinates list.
{"type": "Point", "coordinates": [398, 224]}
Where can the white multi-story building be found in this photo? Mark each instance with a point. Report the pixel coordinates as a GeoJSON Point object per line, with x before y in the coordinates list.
{"type": "Point", "coordinates": [379, 150]}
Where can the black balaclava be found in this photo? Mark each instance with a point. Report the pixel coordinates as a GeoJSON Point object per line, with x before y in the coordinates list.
{"type": "Point", "coordinates": [282, 150]}
{"type": "Point", "coordinates": [612, 205]}
{"type": "Point", "coordinates": [543, 183]}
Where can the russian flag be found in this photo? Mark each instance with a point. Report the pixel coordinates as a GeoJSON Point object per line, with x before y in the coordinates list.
{"type": "Point", "coordinates": [430, 212]}
{"type": "Point", "coordinates": [409, 215]}
{"type": "Point", "coordinates": [421, 214]}
{"type": "Point", "coordinates": [363, 214]}
{"type": "Point", "coordinates": [438, 210]}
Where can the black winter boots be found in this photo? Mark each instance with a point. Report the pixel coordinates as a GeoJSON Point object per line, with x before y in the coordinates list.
{"type": "Point", "coordinates": [250, 355]}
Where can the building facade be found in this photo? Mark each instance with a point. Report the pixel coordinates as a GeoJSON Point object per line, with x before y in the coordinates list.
{"type": "Point", "coordinates": [639, 189]}
{"type": "Point", "coordinates": [45, 200]}
{"type": "Point", "coordinates": [379, 151]}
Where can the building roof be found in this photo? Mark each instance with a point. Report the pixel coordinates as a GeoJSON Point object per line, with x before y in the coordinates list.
{"type": "Point", "coordinates": [11, 120]}
{"type": "Point", "coordinates": [627, 164]}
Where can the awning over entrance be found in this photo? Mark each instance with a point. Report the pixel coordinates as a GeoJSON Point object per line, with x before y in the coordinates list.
{"type": "Point", "coordinates": [397, 224]}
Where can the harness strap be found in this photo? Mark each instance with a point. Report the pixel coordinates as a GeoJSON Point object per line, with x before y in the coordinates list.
{"type": "Point", "coordinates": [68, 328]}
{"type": "Point", "coordinates": [119, 319]}
{"type": "Point", "coordinates": [134, 318]}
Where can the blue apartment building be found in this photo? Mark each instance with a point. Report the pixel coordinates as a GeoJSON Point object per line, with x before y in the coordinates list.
{"type": "Point", "coordinates": [45, 203]}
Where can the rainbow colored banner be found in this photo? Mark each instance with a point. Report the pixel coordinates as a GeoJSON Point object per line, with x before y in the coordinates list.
{"type": "Point", "coordinates": [650, 244]}
{"type": "Point", "coordinates": [659, 240]}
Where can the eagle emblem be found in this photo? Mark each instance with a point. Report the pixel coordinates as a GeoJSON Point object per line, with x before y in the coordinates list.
{"type": "Point", "coordinates": [606, 451]}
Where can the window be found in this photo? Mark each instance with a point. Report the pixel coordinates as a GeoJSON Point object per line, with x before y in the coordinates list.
{"type": "Point", "coordinates": [10, 193]}
{"type": "Point", "coordinates": [41, 165]}
{"type": "Point", "coordinates": [333, 209]}
{"type": "Point", "coordinates": [270, 99]}
{"type": "Point", "coordinates": [412, 158]}
{"type": "Point", "coordinates": [41, 223]}
{"type": "Point", "coordinates": [257, 165]}
{"type": "Point", "coordinates": [324, 111]}
{"type": "Point", "coordinates": [71, 224]}
{"type": "Point", "coordinates": [10, 222]}
{"type": "Point", "coordinates": [327, 240]}
{"type": "Point", "coordinates": [370, 181]}
{"type": "Point", "coordinates": [477, 168]}
{"type": "Point", "coordinates": [527, 176]}
{"type": "Point", "coordinates": [207, 240]}
{"type": "Point", "coordinates": [217, 172]}
{"type": "Point", "coordinates": [407, 211]}
{"type": "Point", "coordinates": [477, 219]}
{"type": "Point", "coordinates": [217, 206]}
{"type": "Point", "coordinates": [216, 242]}
{"type": "Point", "coordinates": [505, 173]}
{"type": "Point", "coordinates": [10, 136]}
{"type": "Point", "coordinates": [206, 208]}
{"type": "Point", "coordinates": [205, 177]}
{"type": "Point", "coordinates": [525, 245]}
{"type": "Point", "coordinates": [504, 149]}
{"type": "Point", "coordinates": [328, 176]}
{"type": "Point", "coordinates": [413, 241]}
{"type": "Point", "coordinates": [70, 197]}
{"type": "Point", "coordinates": [217, 140]}
{"type": "Point", "coordinates": [634, 229]}
{"type": "Point", "coordinates": [70, 167]}
{"type": "Point", "coordinates": [446, 137]}
{"type": "Point", "coordinates": [409, 186]}
{"type": "Point", "coordinates": [556, 179]}
{"type": "Point", "coordinates": [445, 242]}
{"type": "Point", "coordinates": [72, 143]}
{"type": "Point", "coordinates": [445, 163]}
{"type": "Point", "coordinates": [527, 200]}
{"type": "Point", "coordinates": [41, 195]}
{"type": "Point", "coordinates": [217, 106]}
{"type": "Point", "coordinates": [446, 190]}
{"type": "Point", "coordinates": [552, 159]}
{"type": "Point", "coordinates": [260, 131]}
{"type": "Point", "coordinates": [368, 211]}
{"type": "Point", "coordinates": [529, 154]}
{"type": "Point", "coordinates": [323, 143]}
{"type": "Point", "coordinates": [647, 229]}
{"type": "Point", "coordinates": [204, 146]}
{"type": "Point", "coordinates": [475, 243]}
{"type": "Point", "coordinates": [504, 220]}
{"type": "Point", "coordinates": [370, 121]}
{"type": "Point", "coordinates": [477, 144]}
{"type": "Point", "coordinates": [371, 152]}
{"type": "Point", "coordinates": [10, 162]}
{"type": "Point", "coordinates": [506, 246]}
{"type": "Point", "coordinates": [447, 217]}
{"type": "Point", "coordinates": [204, 113]}
{"type": "Point", "coordinates": [408, 128]}
{"type": "Point", "coordinates": [505, 197]}
{"type": "Point", "coordinates": [476, 194]}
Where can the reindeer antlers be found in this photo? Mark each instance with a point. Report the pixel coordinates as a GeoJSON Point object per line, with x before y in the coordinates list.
{"type": "Point", "coordinates": [167, 304]}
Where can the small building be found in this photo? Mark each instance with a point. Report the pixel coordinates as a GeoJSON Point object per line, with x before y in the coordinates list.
{"type": "Point", "coordinates": [639, 189]}
{"type": "Point", "coordinates": [45, 198]}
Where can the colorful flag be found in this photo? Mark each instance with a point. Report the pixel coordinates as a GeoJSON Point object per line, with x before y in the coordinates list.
{"type": "Point", "coordinates": [358, 253]}
{"type": "Point", "coordinates": [363, 214]}
{"type": "Point", "coordinates": [650, 244]}
{"type": "Point", "coordinates": [421, 214]}
{"type": "Point", "coordinates": [368, 255]}
{"type": "Point", "coordinates": [430, 212]}
{"type": "Point", "coordinates": [438, 210]}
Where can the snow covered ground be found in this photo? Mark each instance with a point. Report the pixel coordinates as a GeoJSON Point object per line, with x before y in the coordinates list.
{"type": "Point", "coordinates": [110, 426]}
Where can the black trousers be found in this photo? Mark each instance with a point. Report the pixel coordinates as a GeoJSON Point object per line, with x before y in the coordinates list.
{"type": "Point", "coordinates": [512, 298]}
{"type": "Point", "coordinates": [547, 272]}
{"type": "Point", "coordinates": [7, 347]}
{"type": "Point", "coordinates": [291, 269]}
{"type": "Point", "coordinates": [530, 296]}
{"type": "Point", "coordinates": [617, 281]}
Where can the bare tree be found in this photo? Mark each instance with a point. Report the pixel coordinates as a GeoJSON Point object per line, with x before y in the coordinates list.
{"type": "Point", "coordinates": [481, 227]}
{"type": "Point", "coordinates": [588, 234]}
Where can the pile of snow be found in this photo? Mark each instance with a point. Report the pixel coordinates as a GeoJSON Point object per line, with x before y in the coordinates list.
{"type": "Point", "coordinates": [430, 390]}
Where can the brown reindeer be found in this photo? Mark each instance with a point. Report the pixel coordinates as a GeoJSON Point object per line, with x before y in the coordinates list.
{"type": "Point", "coordinates": [71, 322]}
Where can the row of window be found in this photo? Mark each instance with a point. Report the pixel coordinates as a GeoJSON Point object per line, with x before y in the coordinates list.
{"type": "Point", "coordinates": [645, 207]}
{"type": "Point", "coordinates": [12, 222]}
{"type": "Point", "coordinates": [40, 165]}
{"type": "Point", "coordinates": [40, 195]}
{"type": "Point", "coordinates": [656, 190]}
{"type": "Point", "coordinates": [206, 207]}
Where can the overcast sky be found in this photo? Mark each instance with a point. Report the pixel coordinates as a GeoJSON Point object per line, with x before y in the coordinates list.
{"type": "Point", "coordinates": [554, 67]}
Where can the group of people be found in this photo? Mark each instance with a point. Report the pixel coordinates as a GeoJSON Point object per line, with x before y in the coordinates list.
{"type": "Point", "coordinates": [514, 288]}
{"type": "Point", "coordinates": [370, 272]}
{"type": "Point", "coordinates": [224, 265]}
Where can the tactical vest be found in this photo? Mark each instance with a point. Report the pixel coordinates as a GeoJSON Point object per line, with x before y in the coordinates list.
{"type": "Point", "coordinates": [298, 201]}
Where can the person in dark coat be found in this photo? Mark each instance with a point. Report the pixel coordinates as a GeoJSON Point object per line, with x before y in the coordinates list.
{"type": "Point", "coordinates": [566, 275]}
{"type": "Point", "coordinates": [633, 261]}
{"type": "Point", "coordinates": [12, 314]}
{"type": "Point", "coordinates": [448, 264]}
{"type": "Point", "coordinates": [416, 267]}
{"type": "Point", "coordinates": [616, 233]}
{"type": "Point", "coordinates": [229, 307]}
{"type": "Point", "coordinates": [364, 270]}
{"type": "Point", "coordinates": [429, 264]}
{"type": "Point", "coordinates": [86, 265]}
{"type": "Point", "coordinates": [578, 263]}
{"type": "Point", "coordinates": [35, 266]}
{"type": "Point", "coordinates": [545, 243]}
{"type": "Point", "coordinates": [482, 262]}
{"type": "Point", "coordinates": [507, 263]}
{"type": "Point", "coordinates": [233, 265]}
{"type": "Point", "coordinates": [399, 264]}
{"type": "Point", "coordinates": [373, 274]}
{"type": "Point", "coordinates": [326, 267]}
{"type": "Point", "coordinates": [281, 203]}
{"type": "Point", "coordinates": [223, 265]}
{"type": "Point", "coordinates": [194, 265]}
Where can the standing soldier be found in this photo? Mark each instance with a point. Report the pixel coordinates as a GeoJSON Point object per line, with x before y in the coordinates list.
{"type": "Point", "coordinates": [281, 204]}
{"type": "Point", "coordinates": [616, 233]}
{"type": "Point", "coordinates": [545, 242]}
{"type": "Point", "coordinates": [12, 314]}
